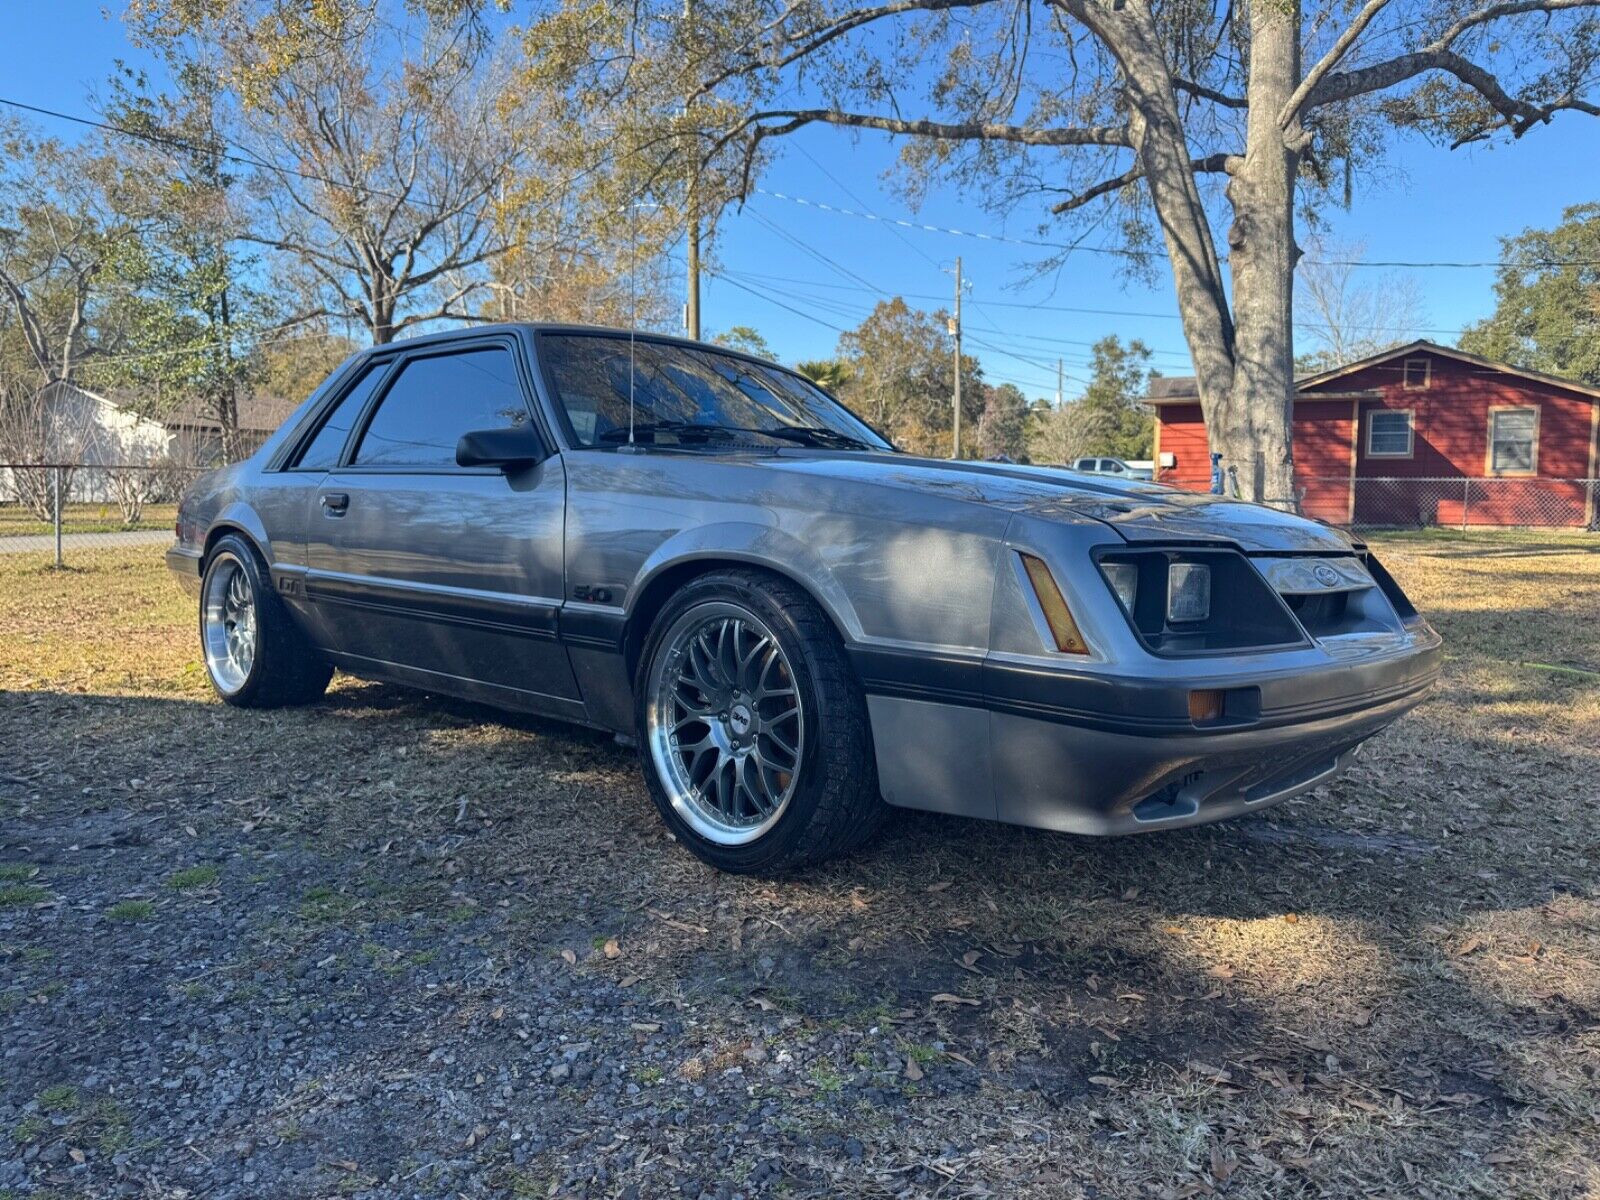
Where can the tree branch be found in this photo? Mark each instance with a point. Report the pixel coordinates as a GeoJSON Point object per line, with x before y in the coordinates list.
{"type": "Point", "coordinates": [1205, 93]}
{"type": "Point", "coordinates": [1214, 164]}
{"type": "Point", "coordinates": [1519, 115]}
{"type": "Point", "coordinates": [1330, 87]}
{"type": "Point", "coordinates": [1101, 135]}
{"type": "Point", "coordinates": [1328, 61]}
{"type": "Point", "coordinates": [812, 40]}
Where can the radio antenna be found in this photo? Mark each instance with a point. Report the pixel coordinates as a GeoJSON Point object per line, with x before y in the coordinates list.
{"type": "Point", "coordinates": [633, 305]}
{"type": "Point", "coordinates": [633, 317]}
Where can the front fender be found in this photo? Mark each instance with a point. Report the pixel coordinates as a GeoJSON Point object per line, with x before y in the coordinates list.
{"type": "Point", "coordinates": [756, 545]}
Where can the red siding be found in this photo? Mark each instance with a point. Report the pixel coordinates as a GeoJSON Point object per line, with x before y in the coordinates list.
{"type": "Point", "coordinates": [1322, 433]}
{"type": "Point", "coordinates": [1450, 421]}
{"type": "Point", "coordinates": [1321, 451]}
{"type": "Point", "coordinates": [1182, 433]}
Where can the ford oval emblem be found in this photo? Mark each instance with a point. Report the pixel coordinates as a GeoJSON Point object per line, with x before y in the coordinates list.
{"type": "Point", "coordinates": [1325, 575]}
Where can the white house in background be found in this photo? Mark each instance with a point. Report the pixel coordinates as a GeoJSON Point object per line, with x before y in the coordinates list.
{"type": "Point", "coordinates": [85, 427]}
{"type": "Point", "coordinates": [70, 424]}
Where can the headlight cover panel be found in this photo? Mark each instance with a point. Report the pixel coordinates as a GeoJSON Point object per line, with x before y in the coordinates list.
{"type": "Point", "coordinates": [1245, 613]}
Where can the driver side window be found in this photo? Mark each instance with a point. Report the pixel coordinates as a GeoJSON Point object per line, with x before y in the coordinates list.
{"type": "Point", "coordinates": [436, 399]}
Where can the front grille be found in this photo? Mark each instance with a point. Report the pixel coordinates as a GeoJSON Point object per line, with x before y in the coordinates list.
{"type": "Point", "coordinates": [1321, 616]}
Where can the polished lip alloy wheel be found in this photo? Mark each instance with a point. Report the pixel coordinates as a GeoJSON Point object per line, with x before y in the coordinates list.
{"type": "Point", "coordinates": [228, 624]}
{"type": "Point", "coordinates": [725, 723]}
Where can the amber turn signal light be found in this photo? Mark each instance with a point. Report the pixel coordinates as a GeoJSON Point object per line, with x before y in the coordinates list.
{"type": "Point", "coordinates": [1205, 706]}
{"type": "Point", "coordinates": [1056, 613]}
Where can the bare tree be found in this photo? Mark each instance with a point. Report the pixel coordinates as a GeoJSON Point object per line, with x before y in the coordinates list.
{"type": "Point", "coordinates": [57, 235]}
{"type": "Point", "coordinates": [375, 150]}
{"type": "Point", "coordinates": [1060, 435]}
{"type": "Point", "coordinates": [1350, 314]}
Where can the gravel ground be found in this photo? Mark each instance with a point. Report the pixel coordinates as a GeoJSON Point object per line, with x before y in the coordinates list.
{"type": "Point", "coordinates": [396, 946]}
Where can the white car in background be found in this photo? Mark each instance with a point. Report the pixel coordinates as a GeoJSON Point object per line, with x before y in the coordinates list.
{"type": "Point", "coordinates": [1113, 466]}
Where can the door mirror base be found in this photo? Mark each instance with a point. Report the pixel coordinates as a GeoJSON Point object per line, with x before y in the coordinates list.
{"type": "Point", "coordinates": [508, 449]}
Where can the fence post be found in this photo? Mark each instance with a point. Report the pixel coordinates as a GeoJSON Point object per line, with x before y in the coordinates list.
{"type": "Point", "coordinates": [55, 508]}
{"type": "Point", "coordinates": [1466, 493]}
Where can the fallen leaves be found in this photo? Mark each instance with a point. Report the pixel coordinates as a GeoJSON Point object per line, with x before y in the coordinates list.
{"type": "Point", "coordinates": [952, 998]}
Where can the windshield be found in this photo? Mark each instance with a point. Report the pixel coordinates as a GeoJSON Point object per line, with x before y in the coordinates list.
{"type": "Point", "coordinates": [688, 396]}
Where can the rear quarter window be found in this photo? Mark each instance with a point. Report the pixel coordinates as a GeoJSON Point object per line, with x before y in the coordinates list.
{"type": "Point", "coordinates": [322, 452]}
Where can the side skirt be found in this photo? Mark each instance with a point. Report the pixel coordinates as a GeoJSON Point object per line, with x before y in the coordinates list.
{"type": "Point", "coordinates": [493, 694]}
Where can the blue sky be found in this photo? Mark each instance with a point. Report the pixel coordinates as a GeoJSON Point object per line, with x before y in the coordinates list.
{"type": "Point", "coordinates": [1430, 204]}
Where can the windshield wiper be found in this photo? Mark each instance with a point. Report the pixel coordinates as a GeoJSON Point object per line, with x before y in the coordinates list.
{"type": "Point", "coordinates": [817, 435]}
{"type": "Point", "coordinates": [648, 429]}
{"type": "Point", "coordinates": [806, 435]}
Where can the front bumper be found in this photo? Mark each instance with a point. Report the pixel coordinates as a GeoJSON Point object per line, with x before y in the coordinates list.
{"type": "Point", "coordinates": [1102, 754]}
{"type": "Point", "coordinates": [185, 563]}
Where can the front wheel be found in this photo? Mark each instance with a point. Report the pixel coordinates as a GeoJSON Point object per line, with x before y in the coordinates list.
{"type": "Point", "coordinates": [752, 729]}
{"type": "Point", "coordinates": [255, 655]}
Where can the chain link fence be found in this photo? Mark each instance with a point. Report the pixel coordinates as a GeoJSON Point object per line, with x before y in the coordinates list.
{"type": "Point", "coordinates": [66, 514]}
{"type": "Point", "coordinates": [62, 514]}
{"type": "Point", "coordinates": [1462, 504]}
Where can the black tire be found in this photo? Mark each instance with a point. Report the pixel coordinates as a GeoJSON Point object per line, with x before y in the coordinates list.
{"type": "Point", "coordinates": [835, 805]}
{"type": "Point", "coordinates": [285, 669]}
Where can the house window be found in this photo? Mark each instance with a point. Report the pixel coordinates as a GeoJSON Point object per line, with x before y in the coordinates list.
{"type": "Point", "coordinates": [1418, 372]}
{"type": "Point", "coordinates": [1513, 441]}
{"type": "Point", "coordinates": [1389, 433]}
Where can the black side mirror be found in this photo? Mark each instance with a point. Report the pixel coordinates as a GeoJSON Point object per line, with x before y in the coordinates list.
{"type": "Point", "coordinates": [508, 449]}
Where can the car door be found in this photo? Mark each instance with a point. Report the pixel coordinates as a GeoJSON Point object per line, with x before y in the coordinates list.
{"type": "Point", "coordinates": [440, 575]}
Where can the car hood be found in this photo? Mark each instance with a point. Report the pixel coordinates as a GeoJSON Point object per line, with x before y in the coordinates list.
{"type": "Point", "coordinates": [1138, 511]}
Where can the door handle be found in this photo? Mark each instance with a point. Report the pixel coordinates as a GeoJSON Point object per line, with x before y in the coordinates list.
{"type": "Point", "coordinates": [334, 504]}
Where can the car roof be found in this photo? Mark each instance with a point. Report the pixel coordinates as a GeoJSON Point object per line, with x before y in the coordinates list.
{"type": "Point", "coordinates": [473, 331]}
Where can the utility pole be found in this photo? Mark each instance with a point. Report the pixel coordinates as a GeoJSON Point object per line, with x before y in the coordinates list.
{"type": "Point", "coordinates": [955, 330]}
{"type": "Point", "coordinates": [1058, 383]}
{"type": "Point", "coordinates": [691, 308]}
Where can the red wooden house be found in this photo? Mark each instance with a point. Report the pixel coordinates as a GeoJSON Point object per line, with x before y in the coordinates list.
{"type": "Point", "coordinates": [1419, 435]}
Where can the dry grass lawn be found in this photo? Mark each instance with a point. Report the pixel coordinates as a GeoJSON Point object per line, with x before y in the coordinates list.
{"type": "Point", "coordinates": [1389, 987]}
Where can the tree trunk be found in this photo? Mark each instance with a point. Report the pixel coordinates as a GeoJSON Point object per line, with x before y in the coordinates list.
{"type": "Point", "coordinates": [1155, 127]}
{"type": "Point", "coordinates": [1254, 436]}
{"type": "Point", "coordinates": [383, 306]}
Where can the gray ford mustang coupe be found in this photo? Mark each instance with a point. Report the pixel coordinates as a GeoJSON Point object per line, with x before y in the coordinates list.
{"type": "Point", "coordinates": [800, 627]}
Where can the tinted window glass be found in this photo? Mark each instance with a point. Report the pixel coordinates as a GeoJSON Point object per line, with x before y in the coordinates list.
{"type": "Point", "coordinates": [323, 452]}
{"type": "Point", "coordinates": [693, 390]}
{"type": "Point", "coordinates": [435, 400]}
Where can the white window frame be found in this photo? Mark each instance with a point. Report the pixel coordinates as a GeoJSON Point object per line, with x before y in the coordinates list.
{"type": "Point", "coordinates": [1411, 432]}
{"type": "Point", "coordinates": [1427, 373]}
{"type": "Point", "coordinates": [1494, 412]}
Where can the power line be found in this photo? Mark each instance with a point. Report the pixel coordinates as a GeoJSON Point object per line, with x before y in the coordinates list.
{"type": "Point", "coordinates": [219, 149]}
{"type": "Point", "coordinates": [812, 317]}
{"type": "Point", "coordinates": [915, 249]}
{"type": "Point", "coordinates": [925, 227]}
{"type": "Point", "coordinates": [773, 300]}
{"type": "Point", "coordinates": [1097, 312]}
{"type": "Point", "coordinates": [996, 328]}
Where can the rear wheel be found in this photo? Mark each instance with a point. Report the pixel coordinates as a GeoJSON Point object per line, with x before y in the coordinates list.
{"type": "Point", "coordinates": [255, 655]}
{"type": "Point", "coordinates": [752, 730]}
